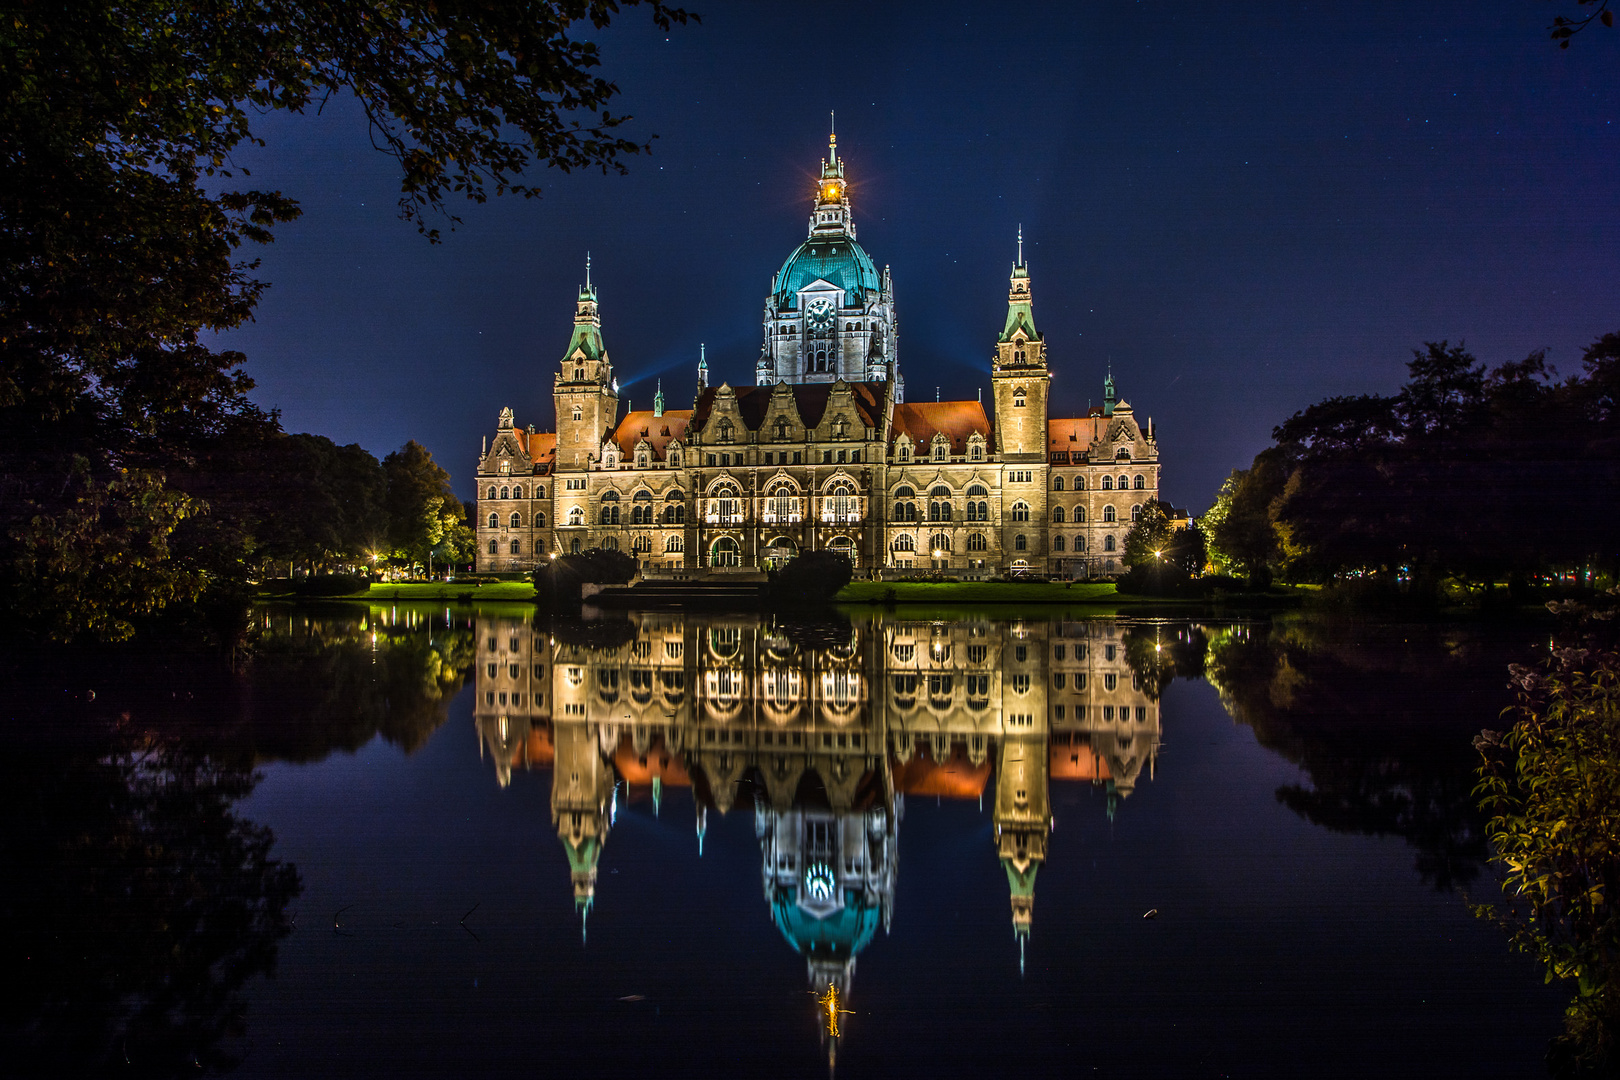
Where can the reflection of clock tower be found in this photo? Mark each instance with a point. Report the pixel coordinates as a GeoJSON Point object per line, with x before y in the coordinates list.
{"type": "Point", "coordinates": [830, 315]}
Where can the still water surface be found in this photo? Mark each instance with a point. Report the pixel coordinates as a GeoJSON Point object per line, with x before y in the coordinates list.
{"type": "Point", "coordinates": [474, 844]}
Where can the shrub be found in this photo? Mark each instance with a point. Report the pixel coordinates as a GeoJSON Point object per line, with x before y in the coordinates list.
{"type": "Point", "coordinates": [814, 577]}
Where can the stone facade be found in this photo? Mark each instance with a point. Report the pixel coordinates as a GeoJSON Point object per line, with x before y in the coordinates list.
{"type": "Point", "coordinates": [824, 452]}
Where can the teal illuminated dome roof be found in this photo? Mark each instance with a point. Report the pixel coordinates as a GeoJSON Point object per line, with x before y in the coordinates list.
{"type": "Point", "coordinates": [845, 932]}
{"type": "Point", "coordinates": [836, 259]}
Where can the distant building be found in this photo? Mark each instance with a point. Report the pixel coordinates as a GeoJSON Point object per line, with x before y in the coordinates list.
{"type": "Point", "coordinates": [824, 451]}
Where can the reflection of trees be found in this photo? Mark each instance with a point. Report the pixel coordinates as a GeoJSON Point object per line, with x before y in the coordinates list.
{"type": "Point", "coordinates": [1376, 717]}
{"type": "Point", "coordinates": [328, 683]}
{"type": "Point", "coordinates": [1161, 652]}
{"type": "Point", "coordinates": [137, 907]}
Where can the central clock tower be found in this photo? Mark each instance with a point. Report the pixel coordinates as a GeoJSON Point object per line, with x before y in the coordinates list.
{"type": "Point", "coordinates": [830, 315]}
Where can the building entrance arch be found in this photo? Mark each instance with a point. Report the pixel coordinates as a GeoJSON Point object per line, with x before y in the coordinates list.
{"type": "Point", "coordinates": [724, 552]}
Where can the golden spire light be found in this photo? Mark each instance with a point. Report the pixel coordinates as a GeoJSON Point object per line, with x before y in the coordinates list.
{"type": "Point", "coordinates": [830, 1009]}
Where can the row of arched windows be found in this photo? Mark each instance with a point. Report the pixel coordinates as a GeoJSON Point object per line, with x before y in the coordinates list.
{"type": "Point", "coordinates": [1124, 483]}
{"type": "Point", "coordinates": [516, 546]}
{"type": "Point", "coordinates": [1078, 515]}
{"type": "Point", "coordinates": [516, 521]}
{"type": "Point", "coordinates": [515, 492]}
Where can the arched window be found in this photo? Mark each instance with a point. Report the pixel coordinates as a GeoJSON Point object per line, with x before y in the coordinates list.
{"type": "Point", "coordinates": [976, 452]}
{"type": "Point", "coordinates": [1079, 543]}
{"type": "Point", "coordinates": [725, 507]}
{"type": "Point", "coordinates": [940, 543]}
{"type": "Point", "coordinates": [903, 452]}
{"type": "Point", "coordinates": [1057, 543]}
{"type": "Point", "coordinates": [727, 430]}
{"type": "Point", "coordinates": [1108, 483]}
{"type": "Point", "coordinates": [517, 547]}
{"type": "Point", "coordinates": [1122, 454]}
{"type": "Point", "coordinates": [940, 447]}
{"type": "Point", "coordinates": [573, 546]}
{"type": "Point", "coordinates": [610, 544]}
{"type": "Point", "coordinates": [642, 545]}
{"type": "Point", "coordinates": [539, 491]}
{"type": "Point", "coordinates": [782, 504]}
{"type": "Point", "coordinates": [505, 493]}
{"type": "Point", "coordinates": [517, 521]}
{"type": "Point", "coordinates": [675, 544]}
{"type": "Point", "coordinates": [494, 548]}
{"type": "Point", "coordinates": [939, 503]}
{"type": "Point", "coordinates": [540, 519]}
{"type": "Point", "coordinates": [1136, 512]}
{"type": "Point", "coordinates": [841, 504]}
{"type": "Point", "coordinates": [1020, 511]}
{"type": "Point", "coordinates": [1057, 514]}
{"type": "Point", "coordinates": [1141, 482]}
{"type": "Point", "coordinates": [1108, 512]}
{"type": "Point", "coordinates": [904, 508]}
{"type": "Point", "coordinates": [576, 516]}
{"type": "Point", "coordinates": [976, 542]}
{"type": "Point", "coordinates": [577, 414]}
{"type": "Point", "coordinates": [904, 542]}
{"type": "Point", "coordinates": [1018, 399]}
{"type": "Point", "coordinates": [725, 553]}
{"type": "Point", "coordinates": [641, 459]}
{"type": "Point", "coordinates": [781, 429]}
{"type": "Point", "coordinates": [674, 459]}
{"type": "Point", "coordinates": [492, 491]}
{"type": "Point", "coordinates": [1019, 543]}
{"type": "Point", "coordinates": [1124, 483]}
{"type": "Point", "coordinates": [1057, 483]}
{"type": "Point", "coordinates": [1108, 543]}
{"type": "Point", "coordinates": [978, 507]}
{"type": "Point", "coordinates": [610, 508]}
{"type": "Point", "coordinates": [642, 512]}
{"type": "Point", "coordinates": [1079, 515]}
{"type": "Point", "coordinates": [494, 521]}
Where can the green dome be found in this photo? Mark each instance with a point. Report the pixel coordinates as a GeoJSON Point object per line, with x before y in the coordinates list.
{"type": "Point", "coordinates": [845, 932]}
{"type": "Point", "coordinates": [836, 259]}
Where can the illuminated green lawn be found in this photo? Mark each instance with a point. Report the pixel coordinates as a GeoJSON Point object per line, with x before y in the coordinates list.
{"type": "Point", "coordinates": [449, 590]}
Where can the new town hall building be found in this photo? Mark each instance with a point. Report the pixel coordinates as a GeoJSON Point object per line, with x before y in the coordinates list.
{"type": "Point", "coordinates": [823, 451]}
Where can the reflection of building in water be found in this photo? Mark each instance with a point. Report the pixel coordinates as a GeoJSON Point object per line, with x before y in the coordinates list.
{"type": "Point", "coordinates": [825, 739]}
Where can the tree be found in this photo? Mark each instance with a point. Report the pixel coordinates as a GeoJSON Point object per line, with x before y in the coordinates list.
{"type": "Point", "coordinates": [421, 507]}
{"type": "Point", "coordinates": [1243, 538]}
{"type": "Point", "coordinates": [1158, 554]}
{"type": "Point", "coordinates": [1565, 27]}
{"type": "Point", "coordinates": [811, 577]}
{"type": "Point", "coordinates": [121, 221]}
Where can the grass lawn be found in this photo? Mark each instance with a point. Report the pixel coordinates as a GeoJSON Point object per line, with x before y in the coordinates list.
{"type": "Point", "coordinates": [981, 592]}
{"type": "Point", "coordinates": [449, 590]}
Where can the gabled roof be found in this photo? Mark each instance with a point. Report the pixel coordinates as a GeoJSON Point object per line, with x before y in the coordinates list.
{"type": "Point", "coordinates": [1067, 436]}
{"type": "Point", "coordinates": [956, 420]}
{"type": "Point", "coordinates": [657, 430]}
{"type": "Point", "coordinates": [809, 399]}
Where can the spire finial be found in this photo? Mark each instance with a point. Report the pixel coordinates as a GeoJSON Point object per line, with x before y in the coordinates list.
{"type": "Point", "coordinates": [587, 269]}
{"type": "Point", "coordinates": [832, 137]}
{"type": "Point", "coordinates": [1020, 244]}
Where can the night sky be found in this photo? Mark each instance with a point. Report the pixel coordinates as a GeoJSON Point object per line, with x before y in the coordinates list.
{"type": "Point", "coordinates": [1244, 208]}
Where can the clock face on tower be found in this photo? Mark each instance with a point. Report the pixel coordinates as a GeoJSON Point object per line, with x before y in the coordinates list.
{"type": "Point", "coordinates": [820, 314]}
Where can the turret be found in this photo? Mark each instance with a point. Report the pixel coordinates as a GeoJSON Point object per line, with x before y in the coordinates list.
{"type": "Point", "coordinates": [586, 394]}
{"type": "Point", "coordinates": [1019, 377]}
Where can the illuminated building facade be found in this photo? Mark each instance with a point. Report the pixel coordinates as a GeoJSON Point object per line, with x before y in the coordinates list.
{"type": "Point", "coordinates": [824, 451]}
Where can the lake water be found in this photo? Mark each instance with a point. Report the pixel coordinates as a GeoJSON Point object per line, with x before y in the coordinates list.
{"type": "Point", "coordinates": [419, 842]}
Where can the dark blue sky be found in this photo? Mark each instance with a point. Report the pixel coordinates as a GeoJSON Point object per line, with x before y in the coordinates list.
{"type": "Point", "coordinates": [1245, 208]}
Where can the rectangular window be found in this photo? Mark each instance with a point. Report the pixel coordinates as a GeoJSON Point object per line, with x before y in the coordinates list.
{"type": "Point", "coordinates": [711, 461]}
{"type": "Point", "coordinates": [796, 456]}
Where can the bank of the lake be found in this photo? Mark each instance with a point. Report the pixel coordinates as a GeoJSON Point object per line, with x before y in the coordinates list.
{"type": "Point", "coordinates": [947, 593]}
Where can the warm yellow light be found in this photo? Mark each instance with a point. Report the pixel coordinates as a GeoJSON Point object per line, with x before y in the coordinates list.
{"type": "Point", "coordinates": [832, 191]}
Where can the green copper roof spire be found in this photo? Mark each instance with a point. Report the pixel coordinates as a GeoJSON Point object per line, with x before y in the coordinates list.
{"type": "Point", "coordinates": [1020, 304]}
{"type": "Point", "coordinates": [1109, 397]}
{"type": "Point", "coordinates": [658, 410]}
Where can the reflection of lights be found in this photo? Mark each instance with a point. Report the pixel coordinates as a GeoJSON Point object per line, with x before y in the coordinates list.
{"type": "Point", "coordinates": [818, 881]}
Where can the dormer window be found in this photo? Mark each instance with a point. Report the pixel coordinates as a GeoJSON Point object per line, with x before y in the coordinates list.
{"type": "Point", "coordinates": [674, 458]}
{"type": "Point", "coordinates": [940, 448]}
{"type": "Point", "coordinates": [641, 460]}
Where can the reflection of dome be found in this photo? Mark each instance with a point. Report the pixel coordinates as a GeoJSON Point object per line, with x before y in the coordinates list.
{"type": "Point", "coordinates": [835, 259]}
{"type": "Point", "coordinates": [839, 935]}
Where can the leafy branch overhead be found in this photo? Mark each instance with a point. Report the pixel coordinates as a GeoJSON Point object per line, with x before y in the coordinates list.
{"type": "Point", "coordinates": [1565, 27]}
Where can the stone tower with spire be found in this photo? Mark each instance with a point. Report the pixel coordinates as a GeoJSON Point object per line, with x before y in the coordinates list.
{"type": "Point", "coordinates": [1019, 376]}
{"type": "Point", "coordinates": [586, 393]}
{"type": "Point", "coordinates": [1023, 810]}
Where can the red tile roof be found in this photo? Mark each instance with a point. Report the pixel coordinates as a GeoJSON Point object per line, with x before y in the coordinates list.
{"type": "Point", "coordinates": [1067, 436]}
{"type": "Point", "coordinates": [659, 431]}
{"type": "Point", "coordinates": [956, 420]}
